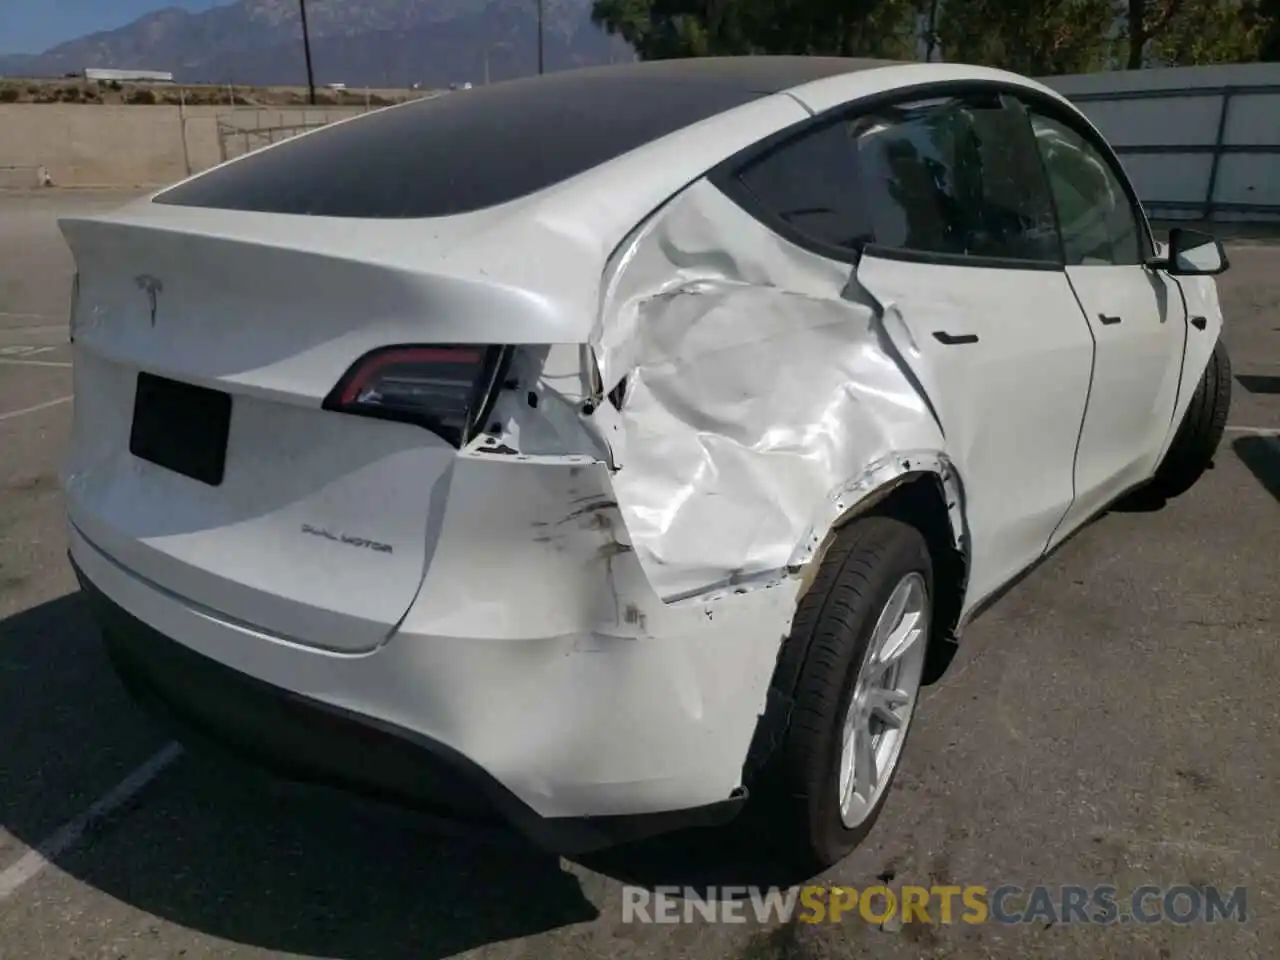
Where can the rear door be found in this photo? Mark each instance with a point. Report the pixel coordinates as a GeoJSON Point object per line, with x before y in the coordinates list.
{"type": "Point", "coordinates": [942, 208]}
{"type": "Point", "coordinates": [1136, 316]}
{"type": "Point", "coordinates": [967, 257]}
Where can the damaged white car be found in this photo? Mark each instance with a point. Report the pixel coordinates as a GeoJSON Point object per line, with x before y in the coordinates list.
{"type": "Point", "coordinates": [589, 453]}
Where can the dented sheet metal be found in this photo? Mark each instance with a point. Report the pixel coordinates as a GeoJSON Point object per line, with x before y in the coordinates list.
{"type": "Point", "coordinates": [763, 396]}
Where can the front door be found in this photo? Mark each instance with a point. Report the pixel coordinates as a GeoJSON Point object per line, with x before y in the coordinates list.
{"type": "Point", "coordinates": [1136, 316]}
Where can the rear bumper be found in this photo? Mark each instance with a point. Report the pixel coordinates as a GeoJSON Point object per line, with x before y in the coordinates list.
{"type": "Point", "coordinates": [209, 704]}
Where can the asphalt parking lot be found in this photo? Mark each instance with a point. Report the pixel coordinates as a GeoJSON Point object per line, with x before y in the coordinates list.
{"type": "Point", "coordinates": [1111, 721]}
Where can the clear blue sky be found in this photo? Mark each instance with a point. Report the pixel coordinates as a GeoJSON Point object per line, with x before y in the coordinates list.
{"type": "Point", "coordinates": [32, 26]}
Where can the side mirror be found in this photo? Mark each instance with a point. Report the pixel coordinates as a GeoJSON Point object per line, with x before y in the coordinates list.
{"type": "Point", "coordinates": [1192, 253]}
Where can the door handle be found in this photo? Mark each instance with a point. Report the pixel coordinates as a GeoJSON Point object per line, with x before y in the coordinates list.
{"type": "Point", "coordinates": [1199, 322]}
{"type": "Point", "coordinates": [1108, 320]}
{"type": "Point", "coordinates": [952, 339]}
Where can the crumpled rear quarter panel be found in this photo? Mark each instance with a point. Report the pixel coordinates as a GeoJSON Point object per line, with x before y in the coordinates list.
{"type": "Point", "coordinates": [762, 396]}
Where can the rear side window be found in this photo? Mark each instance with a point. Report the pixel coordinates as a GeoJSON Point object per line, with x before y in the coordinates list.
{"type": "Point", "coordinates": [948, 177]}
{"type": "Point", "coordinates": [462, 151]}
{"type": "Point", "coordinates": [957, 179]}
{"type": "Point", "coordinates": [811, 184]}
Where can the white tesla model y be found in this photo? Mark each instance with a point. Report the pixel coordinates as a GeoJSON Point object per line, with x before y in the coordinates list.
{"type": "Point", "coordinates": [593, 453]}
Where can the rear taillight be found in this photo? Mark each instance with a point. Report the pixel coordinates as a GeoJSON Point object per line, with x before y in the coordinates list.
{"type": "Point", "coordinates": [447, 389]}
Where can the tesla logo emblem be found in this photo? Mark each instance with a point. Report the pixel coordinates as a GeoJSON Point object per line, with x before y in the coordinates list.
{"type": "Point", "coordinates": [151, 286]}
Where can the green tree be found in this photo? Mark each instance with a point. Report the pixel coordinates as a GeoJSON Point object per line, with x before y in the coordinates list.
{"type": "Point", "coordinates": [1263, 18]}
{"type": "Point", "coordinates": [1208, 31]}
{"type": "Point", "coordinates": [1147, 20]}
{"type": "Point", "coordinates": [849, 28]}
{"type": "Point", "coordinates": [1033, 37]}
{"type": "Point", "coordinates": [681, 28]}
{"type": "Point", "coordinates": [659, 29]}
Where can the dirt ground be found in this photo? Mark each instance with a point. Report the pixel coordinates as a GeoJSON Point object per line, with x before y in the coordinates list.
{"type": "Point", "coordinates": [76, 90]}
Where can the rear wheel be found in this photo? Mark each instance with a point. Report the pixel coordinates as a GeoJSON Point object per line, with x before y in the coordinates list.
{"type": "Point", "coordinates": [1198, 436]}
{"type": "Point", "coordinates": [855, 657]}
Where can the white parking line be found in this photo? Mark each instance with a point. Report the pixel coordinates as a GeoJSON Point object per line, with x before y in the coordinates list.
{"type": "Point", "coordinates": [1258, 431]}
{"type": "Point", "coordinates": [39, 406]}
{"type": "Point", "coordinates": [26, 316]}
{"type": "Point", "coordinates": [35, 363]}
{"type": "Point", "coordinates": [70, 833]}
{"type": "Point", "coordinates": [38, 328]}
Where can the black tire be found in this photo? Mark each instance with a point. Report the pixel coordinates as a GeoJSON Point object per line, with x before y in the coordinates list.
{"type": "Point", "coordinates": [1198, 436]}
{"type": "Point", "coordinates": [818, 665]}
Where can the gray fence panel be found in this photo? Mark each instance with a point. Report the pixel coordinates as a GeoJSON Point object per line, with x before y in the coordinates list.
{"type": "Point", "coordinates": [1208, 153]}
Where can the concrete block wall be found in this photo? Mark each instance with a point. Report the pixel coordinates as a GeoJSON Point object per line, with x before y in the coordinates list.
{"type": "Point", "coordinates": [83, 145]}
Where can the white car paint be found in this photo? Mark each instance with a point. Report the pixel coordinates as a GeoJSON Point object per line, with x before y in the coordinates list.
{"type": "Point", "coordinates": [1201, 303]}
{"type": "Point", "coordinates": [589, 604]}
{"type": "Point", "coordinates": [1139, 326]}
{"type": "Point", "coordinates": [1016, 458]}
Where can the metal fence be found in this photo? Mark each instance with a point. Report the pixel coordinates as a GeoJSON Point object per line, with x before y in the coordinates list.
{"type": "Point", "coordinates": [1207, 153]}
{"type": "Point", "coordinates": [236, 139]}
{"type": "Point", "coordinates": [241, 135]}
{"type": "Point", "coordinates": [242, 131]}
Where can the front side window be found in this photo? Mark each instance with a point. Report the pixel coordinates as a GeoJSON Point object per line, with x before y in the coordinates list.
{"type": "Point", "coordinates": [956, 178]}
{"type": "Point", "coordinates": [1099, 225]}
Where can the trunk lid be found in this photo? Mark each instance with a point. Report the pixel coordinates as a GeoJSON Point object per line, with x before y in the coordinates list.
{"type": "Point", "coordinates": [321, 524]}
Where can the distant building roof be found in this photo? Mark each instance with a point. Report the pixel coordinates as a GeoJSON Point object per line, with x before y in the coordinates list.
{"type": "Point", "coordinates": [102, 73]}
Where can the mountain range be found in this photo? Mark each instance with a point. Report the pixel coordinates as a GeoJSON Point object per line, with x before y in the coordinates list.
{"type": "Point", "coordinates": [378, 43]}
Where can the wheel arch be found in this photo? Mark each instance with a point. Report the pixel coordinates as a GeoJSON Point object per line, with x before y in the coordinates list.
{"type": "Point", "coordinates": [925, 491]}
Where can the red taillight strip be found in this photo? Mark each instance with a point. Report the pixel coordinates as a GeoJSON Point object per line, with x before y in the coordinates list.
{"type": "Point", "coordinates": [406, 355]}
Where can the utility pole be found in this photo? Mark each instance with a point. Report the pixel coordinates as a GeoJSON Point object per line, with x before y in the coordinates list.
{"type": "Point", "coordinates": [540, 53]}
{"type": "Point", "coordinates": [306, 47]}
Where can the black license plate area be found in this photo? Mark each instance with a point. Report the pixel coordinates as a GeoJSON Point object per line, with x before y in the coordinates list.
{"type": "Point", "coordinates": [181, 427]}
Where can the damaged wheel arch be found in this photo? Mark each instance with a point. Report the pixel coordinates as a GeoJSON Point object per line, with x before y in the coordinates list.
{"type": "Point", "coordinates": [926, 498]}
{"type": "Point", "coordinates": [930, 500]}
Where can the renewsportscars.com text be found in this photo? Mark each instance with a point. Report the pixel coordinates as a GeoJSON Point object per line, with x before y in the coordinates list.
{"type": "Point", "coordinates": [972, 904]}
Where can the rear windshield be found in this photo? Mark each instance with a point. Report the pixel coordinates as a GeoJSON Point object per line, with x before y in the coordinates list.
{"type": "Point", "coordinates": [460, 151]}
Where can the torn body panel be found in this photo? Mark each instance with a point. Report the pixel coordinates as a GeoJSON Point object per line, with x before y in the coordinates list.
{"type": "Point", "coordinates": [533, 643]}
{"type": "Point", "coordinates": [764, 397]}
{"type": "Point", "coordinates": [538, 409]}
{"type": "Point", "coordinates": [534, 647]}
{"type": "Point", "coordinates": [536, 596]}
